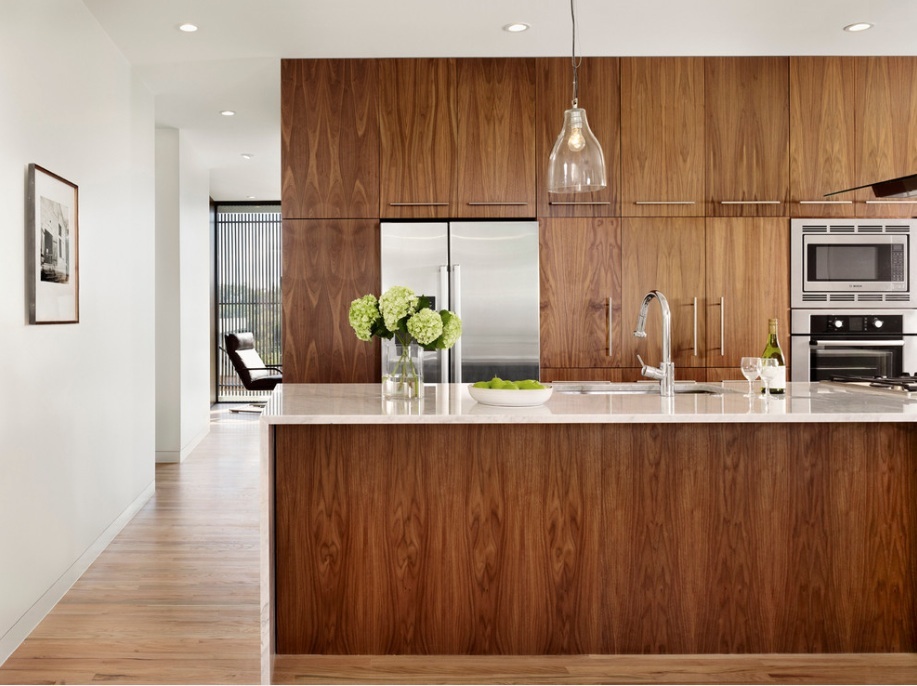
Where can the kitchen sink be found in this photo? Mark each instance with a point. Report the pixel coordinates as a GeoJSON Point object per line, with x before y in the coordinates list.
{"type": "Point", "coordinates": [636, 388]}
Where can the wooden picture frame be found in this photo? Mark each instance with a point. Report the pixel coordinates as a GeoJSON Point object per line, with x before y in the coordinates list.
{"type": "Point", "coordinates": [52, 248]}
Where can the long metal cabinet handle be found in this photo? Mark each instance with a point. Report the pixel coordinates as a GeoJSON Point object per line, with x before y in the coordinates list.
{"type": "Point", "coordinates": [694, 308]}
{"type": "Point", "coordinates": [443, 290]}
{"type": "Point", "coordinates": [664, 202]}
{"type": "Point", "coordinates": [611, 338]}
{"type": "Point", "coordinates": [418, 204]}
{"type": "Point", "coordinates": [579, 202]}
{"type": "Point", "coordinates": [826, 202]}
{"type": "Point", "coordinates": [495, 204]}
{"type": "Point", "coordinates": [750, 202]}
{"type": "Point", "coordinates": [891, 202]}
{"type": "Point", "coordinates": [723, 326]}
{"type": "Point", "coordinates": [457, 304]}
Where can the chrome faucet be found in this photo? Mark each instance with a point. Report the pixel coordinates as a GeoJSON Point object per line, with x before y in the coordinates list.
{"type": "Point", "coordinates": [665, 372]}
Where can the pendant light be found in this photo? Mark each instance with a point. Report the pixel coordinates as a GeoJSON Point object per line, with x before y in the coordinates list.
{"type": "Point", "coordinates": [577, 163]}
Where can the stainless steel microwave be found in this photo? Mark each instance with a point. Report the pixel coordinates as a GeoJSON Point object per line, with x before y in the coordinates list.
{"type": "Point", "coordinates": [849, 263]}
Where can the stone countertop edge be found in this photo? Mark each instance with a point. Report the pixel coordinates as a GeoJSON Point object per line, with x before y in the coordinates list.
{"type": "Point", "coordinates": [452, 404]}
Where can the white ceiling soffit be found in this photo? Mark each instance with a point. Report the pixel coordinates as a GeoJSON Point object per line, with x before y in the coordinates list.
{"type": "Point", "coordinates": [233, 60]}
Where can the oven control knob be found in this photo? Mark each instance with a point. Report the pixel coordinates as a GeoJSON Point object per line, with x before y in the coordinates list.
{"type": "Point", "coordinates": [837, 324]}
{"type": "Point", "coordinates": [877, 323]}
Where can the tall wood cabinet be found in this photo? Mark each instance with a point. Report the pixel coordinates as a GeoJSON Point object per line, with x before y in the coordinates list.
{"type": "Point", "coordinates": [327, 263]}
{"type": "Point", "coordinates": [417, 134]}
{"type": "Point", "coordinates": [747, 273]}
{"type": "Point", "coordinates": [822, 136]}
{"type": "Point", "coordinates": [662, 137]}
{"type": "Point", "coordinates": [329, 138]}
{"type": "Point", "coordinates": [747, 133]}
{"type": "Point", "coordinates": [886, 116]}
{"type": "Point", "coordinates": [495, 170]}
{"type": "Point", "coordinates": [600, 97]}
{"type": "Point", "coordinates": [580, 293]}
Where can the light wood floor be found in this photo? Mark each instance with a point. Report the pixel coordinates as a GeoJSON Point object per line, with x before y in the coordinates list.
{"type": "Point", "coordinates": [174, 599]}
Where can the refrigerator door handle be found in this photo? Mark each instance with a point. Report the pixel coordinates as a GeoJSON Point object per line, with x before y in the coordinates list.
{"type": "Point", "coordinates": [457, 308]}
{"type": "Point", "coordinates": [611, 338]}
{"type": "Point", "coordinates": [443, 304]}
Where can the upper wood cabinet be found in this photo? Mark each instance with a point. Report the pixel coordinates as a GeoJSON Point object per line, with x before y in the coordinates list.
{"type": "Point", "coordinates": [599, 96]}
{"type": "Point", "coordinates": [748, 282]}
{"type": "Point", "coordinates": [662, 136]}
{"type": "Point", "coordinates": [496, 138]}
{"type": "Point", "coordinates": [326, 265]}
{"type": "Point", "coordinates": [822, 136]}
{"type": "Point", "coordinates": [580, 292]}
{"type": "Point", "coordinates": [666, 255]}
{"type": "Point", "coordinates": [886, 116]}
{"type": "Point", "coordinates": [417, 135]}
{"type": "Point", "coordinates": [329, 138]}
{"type": "Point", "coordinates": [747, 129]}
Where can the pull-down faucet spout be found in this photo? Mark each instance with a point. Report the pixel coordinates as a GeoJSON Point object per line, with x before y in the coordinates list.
{"type": "Point", "coordinates": [665, 372]}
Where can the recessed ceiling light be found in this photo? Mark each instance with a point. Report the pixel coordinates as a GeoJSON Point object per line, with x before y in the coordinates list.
{"type": "Point", "coordinates": [859, 26]}
{"type": "Point", "coordinates": [228, 113]}
{"type": "Point", "coordinates": [187, 28]}
{"type": "Point", "coordinates": [516, 27]}
{"type": "Point", "coordinates": [250, 197]}
{"type": "Point", "coordinates": [247, 156]}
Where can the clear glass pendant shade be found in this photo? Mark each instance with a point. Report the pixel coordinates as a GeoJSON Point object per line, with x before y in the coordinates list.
{"type": "Point", "coordinates": [577, 163]}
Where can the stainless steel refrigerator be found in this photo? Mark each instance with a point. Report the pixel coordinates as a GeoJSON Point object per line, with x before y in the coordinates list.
{"type": "Point", "coordinates": [487, 273]}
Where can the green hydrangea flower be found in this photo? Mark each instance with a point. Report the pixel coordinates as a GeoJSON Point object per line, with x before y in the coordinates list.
{"type": "Point", "coordinates": [395, 304]}
{"type": "Point", "coordinates": [364, 313]}
{"type": "Point", "coordinates": [425, 326]}
{"type": "Point", "coordinates": [452, 329]}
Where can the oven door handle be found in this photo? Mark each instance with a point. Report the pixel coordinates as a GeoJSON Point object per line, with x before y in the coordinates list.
{"type": "Point", "coordinates": [857, 344]}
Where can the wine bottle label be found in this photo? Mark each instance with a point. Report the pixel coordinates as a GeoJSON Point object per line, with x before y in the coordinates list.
{"type": "Point", "coordinates": [779, 382]}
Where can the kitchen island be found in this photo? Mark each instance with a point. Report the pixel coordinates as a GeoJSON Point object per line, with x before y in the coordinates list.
{"type": "Point", "coordinates": [593, 524]}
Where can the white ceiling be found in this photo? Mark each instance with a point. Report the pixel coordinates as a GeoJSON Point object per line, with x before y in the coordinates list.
{"type": "Point", "coordinates": [232, 62]}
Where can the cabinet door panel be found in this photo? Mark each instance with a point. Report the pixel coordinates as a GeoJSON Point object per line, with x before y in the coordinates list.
{"type": "Point", "coordinates": [662, 137]}
{"type": "Point", "coordinates": [580, 292]}
{"type": "Point", "coordinates": [666, 255]}
{"type": "Point", "coordinates": [330, 138]}
{"type": "Point", "coordinates": [496, 138]}
{"type": "Point", "coordinates": [822, 143]}
{"type": "Point", "coordinates": [748, 272]}
{"type": "Point", "coordinates": [417, 130]}
{"type": "Point", "coordinates": [747, 113]}
{"type": "Point", "coordinates": [326, 265]}
{"type": "Point", "coordinates": [599, 96]}
{"type": "Point", "coordinates": [886, 130]}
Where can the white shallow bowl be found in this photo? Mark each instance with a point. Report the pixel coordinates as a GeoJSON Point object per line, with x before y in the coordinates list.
{"type": "Point", "coordinates": [510, 398]}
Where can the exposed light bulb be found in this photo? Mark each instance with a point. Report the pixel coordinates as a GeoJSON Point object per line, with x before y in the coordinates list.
{"type": "Point", "coordinates": [576, 141]}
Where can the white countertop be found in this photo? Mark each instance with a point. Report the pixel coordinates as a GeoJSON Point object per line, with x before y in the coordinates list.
{"type": "Point", "coordinates": [452, 404]}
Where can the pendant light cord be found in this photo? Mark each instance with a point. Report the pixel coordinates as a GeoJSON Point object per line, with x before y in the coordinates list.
{"type": "Point", "coordinates": [576, 61]}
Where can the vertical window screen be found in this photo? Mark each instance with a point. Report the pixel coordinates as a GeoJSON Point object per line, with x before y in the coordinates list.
{"type": "Point", "coordinates": [248, 265]}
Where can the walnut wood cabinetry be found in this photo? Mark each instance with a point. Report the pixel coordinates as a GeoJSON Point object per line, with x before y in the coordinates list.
{"type": "Point", "coordinates": [747, 129]}
{"type": "Point", "coordinates": [417, 132]}
{"type": "Point", "coordinates": [822, 136]}
{"type": "Point", "coordinates": [580, 292]}
{"type": "Point", "coordinates": [326, 264]}
{"type": "Point", "coordinates": [886, 116]}
{"type": "Point", "coordinates": [599, 96]}
{"type": "Point", "coordinates": [667, 255]}
{"type": "Point", "coordinates": [747, 271]}
{"type": "Point", "coordinates": [662, 136]}
{"type": "Point", "coordinates": [496, 138]}
{"type": "Point", "coordinates": [330, 139]}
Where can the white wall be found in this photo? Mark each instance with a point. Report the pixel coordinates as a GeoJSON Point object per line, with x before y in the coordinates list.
{"type": "Point", "coordinates": [77, 430]}
{"type": "Point", "coordinates": [183, 314]}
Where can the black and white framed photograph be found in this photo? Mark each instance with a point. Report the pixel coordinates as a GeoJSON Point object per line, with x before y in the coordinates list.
{"type": "Point", "coordinates": [52, 227]}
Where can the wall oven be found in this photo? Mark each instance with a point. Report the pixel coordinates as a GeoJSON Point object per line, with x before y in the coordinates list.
{"type": "Point", "coordinates": [848, 342]}
{"type": "Point", "coordinates": [851, 263]}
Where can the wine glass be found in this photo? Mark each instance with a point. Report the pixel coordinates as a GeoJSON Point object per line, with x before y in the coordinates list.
{"type": "Point", "coordinates": [769, 371]}
{"type": "Point", "coordinates": [751, 370]}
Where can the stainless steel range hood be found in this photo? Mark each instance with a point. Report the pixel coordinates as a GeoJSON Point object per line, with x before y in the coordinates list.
{"type": "Point", "coordinates": [902, 187]}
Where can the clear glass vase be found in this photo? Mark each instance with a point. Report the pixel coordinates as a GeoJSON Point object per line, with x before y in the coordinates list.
{"type": "Point", "coordinates": [402, 369]}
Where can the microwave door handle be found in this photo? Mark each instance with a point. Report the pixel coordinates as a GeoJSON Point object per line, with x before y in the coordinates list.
{"type": "Point", "coordinates": [857, 344]}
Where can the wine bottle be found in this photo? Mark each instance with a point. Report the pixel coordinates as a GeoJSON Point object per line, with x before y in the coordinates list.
{"type": "Point", "coordinates": [772, 350]}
